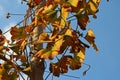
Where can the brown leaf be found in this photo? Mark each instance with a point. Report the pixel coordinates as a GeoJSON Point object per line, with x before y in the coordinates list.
{"type": "Point", "coordinates": [0, 32]}
{"type": "Point", "coordinates": [44, 36]}
{"type": "Point", "coordinates": [18, 33]}
{"type": "Point", "coordinates": [37, 1]}
{"type": "Point", "coordinates": [23, 44]}
{"type": "Point", "coordinates": [61, 66]}
{"type": "Point", "coordinates": [22, 58]}
{"type": "Point", "coordinates": [55, 69]}
{"type": "Point", "coordinates": [75, 65]}
{"type": "Point", "coordinates": [2, 40]}
{"type": "Point", "coordinates": [83, 20]}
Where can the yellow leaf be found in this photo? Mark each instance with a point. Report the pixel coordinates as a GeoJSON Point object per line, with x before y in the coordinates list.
{"type": "Point", "coordinates": [81, 54]}
{"type": "Point", "coordinates": [52, 51]}
{"type": "Point", "coordinates": [47, 9]}
{"type": "Point", "coordinates": [73, 2]}
{"type": "Point", "coordinates": [46, 53]}
{"type": "Point", "coordinates": [27, 69]}
{"type": "Point", "coordinates": [93, 6]}
{"type": "Point", "coordinates": [64, 15]}
{"type": "Point", "coordinates": [24, 43]}
{"type": "Point", "coordinates": [18, 33]}
{"type": "Point", "coordinates": [90, 38]}
{"type": "Point", "coordinates": [43, 36]}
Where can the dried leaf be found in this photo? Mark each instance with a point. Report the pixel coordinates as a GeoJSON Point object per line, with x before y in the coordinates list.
{"type": "Point", "coordinates": [83, 20]}
{"type": "Point", "coordinates": [2, 39]}
{"type": "Point", "coordinates": [44, 36]}
{"type": "Point", "coordinates": [64, 15]}
{"type": "Point", "coordinates": [55, 69]}
{"type": "Point", "coordinates": [90, 37]}
{"type": "Point", "coordinates": [18, 33]}
{"type": "Point", "coordinates": [61, 66]}
{"type": "Point", "coordinates": [0, 32]}
{"type": "Point", "coordinates": [75, 65]}
{"type": "Point", "coordinates": [22, 58]}
{"type": "Point", "coordinates": [81, 54]}
{"type": "Point", "coordinates": [73, 3]}
{"type": "Point", "coordinates": [27, 69]}
{"type": "Point", "coordinates": [23, 44]}
{"type": "Point", "coordinates": [52, 51]}
{"type": "Point", "coordinates": [46, 53]}
{"type": "Point", "coordinates": [92, 7]}
{"type": "Point", "coordinates": [37, 1]}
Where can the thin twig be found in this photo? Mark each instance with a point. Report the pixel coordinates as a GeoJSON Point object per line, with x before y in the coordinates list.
{"type": "Point", "coordinates": [47, 76]}
{"type": "Point", "coordinates": [19, 23]}
{"type": "Point", "coordinates": [21, 76]}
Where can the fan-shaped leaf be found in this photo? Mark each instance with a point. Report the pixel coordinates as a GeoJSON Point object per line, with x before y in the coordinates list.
{"type": "Point", "coordinates": [90, 37]}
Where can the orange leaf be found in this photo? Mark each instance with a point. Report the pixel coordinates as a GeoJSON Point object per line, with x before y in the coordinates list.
{"type": "Point", "coordinates": [23, 44]}
{"type": "Point", "coordinates": [44, 36]}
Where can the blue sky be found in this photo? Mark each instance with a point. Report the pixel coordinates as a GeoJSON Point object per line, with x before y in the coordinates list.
{"type": "Point", "coordinates": [105, 65]}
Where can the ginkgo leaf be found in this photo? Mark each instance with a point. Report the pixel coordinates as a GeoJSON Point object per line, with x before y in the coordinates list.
{"type": "Point", "coordinates": [55, 69]}
{"type": "Point", "coordinates": [30, 27]}
{"type": "Point", "coordinates": [14, 47]}
{"type": "Point", "coordinates": [2, 39]}
{"type": "Point", "coordinates": [18, 33]}
{"type": "Point", "coordinates": [92, 6]}
{"type": "Point", "coordinates": [73, 3]}
{"type": "Point", "coordinates": [23, 44]}
{"type": "Point", "coordinates": [44, 36]}
{"type": "Point", "coordinates": [37, 1]}
{"type": "Point", "coordinates": [22, 58]}
{"type": "Point", "coordinates": [61, 66]}
{"type": "Point", "coordinates": [81, 54]}
{"type": "Point", "coordinates": [52, 51]}
{"type": "Point", "coordinates": [90, 37]}
{"type": "Point", "coordinates": [75, 64]}
{"type": "Point", "coordinates": [83, 20]}
{"type": "Point", "coordinates": [18, 46]}
{"type": "Point", "coordinates": [46, 53]}
{"type": "Point", "coordinates": [64, 15]}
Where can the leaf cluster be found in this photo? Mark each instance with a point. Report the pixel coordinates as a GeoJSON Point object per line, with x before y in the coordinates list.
{"type": "Point", "coordinates": [59, 35]}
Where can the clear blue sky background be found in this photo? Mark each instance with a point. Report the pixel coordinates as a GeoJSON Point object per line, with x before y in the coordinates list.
{"type": "Point", "coordinates": [106, 64]}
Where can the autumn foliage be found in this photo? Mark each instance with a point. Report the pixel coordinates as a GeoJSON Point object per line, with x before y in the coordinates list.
{"type": "Point", "coordinates": [60, 35]}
